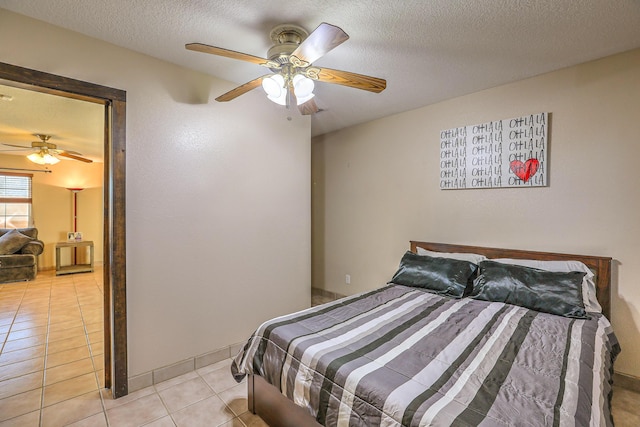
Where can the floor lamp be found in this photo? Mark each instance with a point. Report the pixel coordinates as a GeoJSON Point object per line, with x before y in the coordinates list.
{"type": "Point", "coordinates": [74, 213]}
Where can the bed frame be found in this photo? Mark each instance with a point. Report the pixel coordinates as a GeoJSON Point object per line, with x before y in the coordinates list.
{"type": "Point", "coordinates": [276, 410]}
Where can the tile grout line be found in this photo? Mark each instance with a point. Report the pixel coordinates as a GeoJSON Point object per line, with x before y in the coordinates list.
{"type": "Point", "coordinates": [46, 354]}
{"type": "Point", "coordinates": [13, 321]}
{"type": "Point", "coordinates": [215, 393]}
{"type": "Point", "coordinates": [155, 390]}
{"type": "Point", "coordinates": [91, 355]}
{"type": "Point", "coordinates": [236, 416]}
{"type": "Point", "coordinates": [90, 351]}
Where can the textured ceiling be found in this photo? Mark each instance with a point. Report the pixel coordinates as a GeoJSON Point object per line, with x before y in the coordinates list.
{"type": "Point", "coordinates": [427, 50]}
{"type": "Point", "coordinates": [72, 124]}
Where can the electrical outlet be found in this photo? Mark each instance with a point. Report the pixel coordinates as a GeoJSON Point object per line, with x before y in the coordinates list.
{"type": "Point", "coordinates": [347, 279]}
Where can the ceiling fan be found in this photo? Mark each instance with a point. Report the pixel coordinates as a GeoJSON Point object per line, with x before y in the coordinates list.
{"type": "Point", "coordinates": [290, 60]}
{"type": "Point", "coordinates": [45, 153]}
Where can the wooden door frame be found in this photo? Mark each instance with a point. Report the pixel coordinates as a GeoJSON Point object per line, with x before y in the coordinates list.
{"type": "Point", "coordinates": [115, 307]}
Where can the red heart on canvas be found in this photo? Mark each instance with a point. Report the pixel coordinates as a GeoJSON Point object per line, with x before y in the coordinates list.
{"type": "Point", "coordinates": [525, 170]}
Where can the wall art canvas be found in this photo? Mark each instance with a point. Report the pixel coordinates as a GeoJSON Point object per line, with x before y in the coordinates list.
{"type": "Point", "coordinates": [502, 153]}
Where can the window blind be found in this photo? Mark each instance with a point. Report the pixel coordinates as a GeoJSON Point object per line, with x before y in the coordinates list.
{"type": "Point", "coordinates": [15, 188]}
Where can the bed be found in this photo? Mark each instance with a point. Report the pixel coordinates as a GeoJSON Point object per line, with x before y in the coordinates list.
{"type": "Point", "coordinates": [450, 340]}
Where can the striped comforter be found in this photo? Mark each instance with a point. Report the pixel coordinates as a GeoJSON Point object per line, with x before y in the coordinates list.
{"type": "Point", "coordinates": [400, 356]}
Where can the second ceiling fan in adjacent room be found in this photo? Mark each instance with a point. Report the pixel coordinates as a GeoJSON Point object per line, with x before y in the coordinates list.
{"type": "Point", "coordinates": [46, 153]}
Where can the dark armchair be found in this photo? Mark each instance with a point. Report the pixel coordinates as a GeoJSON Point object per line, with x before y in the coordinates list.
{"type": "Point", "coordinates": [19, 250]}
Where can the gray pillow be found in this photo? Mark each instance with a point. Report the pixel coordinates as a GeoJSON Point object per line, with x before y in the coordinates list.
{"type": "Point", "coordinates": [444, 276]}
{"type": "Point", "coordinates": [546, 291]}
{"type": "Point", "coordinates": [12, 241]}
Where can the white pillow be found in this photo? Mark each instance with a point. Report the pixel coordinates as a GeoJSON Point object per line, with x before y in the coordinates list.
{"type": "Point", "coordinates": [591, 303]}
{"type": "Point", "coordinates": [474, 258]}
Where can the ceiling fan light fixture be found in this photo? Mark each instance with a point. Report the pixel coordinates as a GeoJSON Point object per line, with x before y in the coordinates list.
{"type": "Point", "coordinates": [303, 86]}
{"type": "Point", "coordinates": [43, 157]}
{"type": "Point", "coordinates": [274, 86]}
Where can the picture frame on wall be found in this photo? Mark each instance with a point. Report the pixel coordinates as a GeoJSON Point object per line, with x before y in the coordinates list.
{"type": "Point", "coordinates": [507, 153]}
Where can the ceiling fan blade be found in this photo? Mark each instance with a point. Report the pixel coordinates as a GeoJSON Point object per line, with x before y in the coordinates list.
{"type": "Point", "coordinates": [199, 47]}
{"type": "Point", "coordinates": [241, 90]}
{"type": "Point", "coordinates": [308, 108]}
{"type": "Point", "coordinates": [320, 41]}
{"type": "Point", "coordinates": [70, 152]}
{"type": "Point", "coordinates": [73, 156]}
{"type": "Point", "coordinates": [358, 81]}
{"type": "Point", "coordinates": [19, 146]}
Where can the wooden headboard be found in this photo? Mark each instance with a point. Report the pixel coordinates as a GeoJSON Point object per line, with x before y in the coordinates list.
{"type": "Point", "coordinates": [601, 266]}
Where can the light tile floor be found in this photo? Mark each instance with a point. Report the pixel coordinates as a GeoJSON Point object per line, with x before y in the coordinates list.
{"type": "Point", "coordinates": [51, 368]}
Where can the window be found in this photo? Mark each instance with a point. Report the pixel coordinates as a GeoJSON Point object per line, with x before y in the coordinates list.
{"type": "Point", "coordinates": [15, 200]}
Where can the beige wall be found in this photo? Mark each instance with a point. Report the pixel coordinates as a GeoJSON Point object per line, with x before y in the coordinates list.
{"type": "Point", "coordinates": [218, 196]}
{"type": "Point", "coordinates": [376, 186]}
{"type": "Point", "coordinates": [52, 204]}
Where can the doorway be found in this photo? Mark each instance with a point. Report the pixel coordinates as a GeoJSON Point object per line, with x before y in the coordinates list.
{"type": "Point", "coordinates": [114, 249]}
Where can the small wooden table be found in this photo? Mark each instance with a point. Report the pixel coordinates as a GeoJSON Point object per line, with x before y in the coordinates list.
{"type": "Point", "coordinates": [74, 268]}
